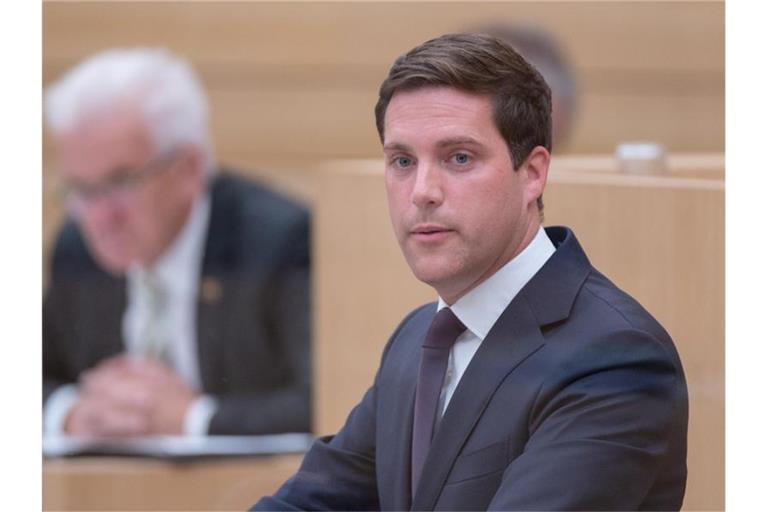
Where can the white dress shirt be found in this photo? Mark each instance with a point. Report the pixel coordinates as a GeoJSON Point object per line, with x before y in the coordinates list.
{"type": "Point", "coordinates": [482, 306]}
{"type": "Point", "coordinates": [178, 273]}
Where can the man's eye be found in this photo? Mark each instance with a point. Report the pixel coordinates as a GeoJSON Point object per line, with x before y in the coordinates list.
{"type": "Point", "coordinates": [402, 162]}
{"type": "Point", "coordinates": [461, 158]}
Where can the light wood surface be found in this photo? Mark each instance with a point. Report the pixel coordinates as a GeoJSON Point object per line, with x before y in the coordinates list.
{"type": "Point", "coordinates": [661, 238]}
{"type": "Point", "coordinates": [299, 79]}
{"type": "Point", "coordinates": [103, 483]}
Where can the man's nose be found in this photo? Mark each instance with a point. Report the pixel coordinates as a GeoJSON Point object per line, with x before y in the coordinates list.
{"type": "Point", "coordinates": [428, 188]}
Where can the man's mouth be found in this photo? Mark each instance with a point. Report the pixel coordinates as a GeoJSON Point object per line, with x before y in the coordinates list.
{"type": "Point", "coordinates": [430, 233]}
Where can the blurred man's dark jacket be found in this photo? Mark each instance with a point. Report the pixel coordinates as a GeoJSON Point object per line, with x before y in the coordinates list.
{"type": "Point", "coordinates": [253, 318]}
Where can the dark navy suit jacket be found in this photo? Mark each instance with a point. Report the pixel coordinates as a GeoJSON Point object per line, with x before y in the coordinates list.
{"type": "Point", "coordinates": [575, 400]}
{"type": "Point", "coordinates": [252, 324]}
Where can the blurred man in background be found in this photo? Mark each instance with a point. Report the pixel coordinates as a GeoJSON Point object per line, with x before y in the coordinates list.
{"type": "Point", "coordinates": [179, 295]}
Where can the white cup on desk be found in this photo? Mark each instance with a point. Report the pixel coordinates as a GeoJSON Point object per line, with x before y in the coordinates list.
{"type": "Point", "coordinates": [640, 157]}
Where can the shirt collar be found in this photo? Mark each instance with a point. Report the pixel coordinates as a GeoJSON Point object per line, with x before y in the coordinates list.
{"type": "Point", "coordinates": [178, 267]}
{"type": "Point", "coordinates": [482, 306]}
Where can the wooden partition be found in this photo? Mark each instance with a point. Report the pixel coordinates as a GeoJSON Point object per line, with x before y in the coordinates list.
{"type": "Point", "coordinates": [661, 238]}
{"type": "Point", "coordinates": [298, 80]}
{"type": "Point", "coordinates": [291, 79]}
{"type": "Point", "coordinates": [104, 483]}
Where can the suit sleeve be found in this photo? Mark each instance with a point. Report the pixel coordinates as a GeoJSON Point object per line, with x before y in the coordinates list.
{"type": "Point", "coordinates": [338, 472]}
{"type": "Point", "coordinates": [54, 374]}
{"type": "Point", "coordinates": [288, 322]}
{"type": "Point", "coordinates": [55, 312]}
{"type": "Point", "coordinates": [601, 429]}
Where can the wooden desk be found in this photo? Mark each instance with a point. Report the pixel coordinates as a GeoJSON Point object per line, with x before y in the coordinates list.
{"type": "Point", "coordinates": [111, 483]}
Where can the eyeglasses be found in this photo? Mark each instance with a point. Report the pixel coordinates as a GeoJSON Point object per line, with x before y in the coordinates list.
{"type": "Point", "coordinates": [122, 183]}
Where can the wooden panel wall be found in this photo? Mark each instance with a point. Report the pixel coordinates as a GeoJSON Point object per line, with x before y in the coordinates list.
{"type": "Point", "coordinates": [295, 81]}
{"type": "Point", "coordinates": [109, 483]}
{"type": "Point", "coordinates": [300, 79]}
{"type": "Point", "coordinates": [661, 238]}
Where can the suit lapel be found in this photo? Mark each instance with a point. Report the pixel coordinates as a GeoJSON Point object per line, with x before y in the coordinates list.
{"type": "Point", "coordinates": [211, 324]}
{"type": "Point", "coordinates": [98, 312]}
{"type": "Point", "coordinates": [218, 260]}
{"type": "Point", "coordinates": [397, 398]}
{"type": "Point", "coordinates": [512, 339]}
{"type": "Point", "coordinates": [401, 433]}
{"type": "Point", "coordinates": [546, 299]}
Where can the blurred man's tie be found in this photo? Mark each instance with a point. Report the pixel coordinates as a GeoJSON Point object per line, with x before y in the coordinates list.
{"type": "Point", "coordinates": [154, 336]}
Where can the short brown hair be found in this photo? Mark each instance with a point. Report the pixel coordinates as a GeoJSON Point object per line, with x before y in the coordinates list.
{"type": "Point", "coordinates": [481, 64]}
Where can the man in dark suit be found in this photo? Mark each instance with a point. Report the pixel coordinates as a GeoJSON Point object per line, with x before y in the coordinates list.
{"type": "Point", "coordinates": [178, 300]}
{"type": "Point", "coordinates": [534, 383]}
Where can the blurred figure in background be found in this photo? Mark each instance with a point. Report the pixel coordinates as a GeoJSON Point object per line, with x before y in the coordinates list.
{"type": "Point", "coordinates": [544, 53]}
{"type": "Point", "coordinates": [179, 295]}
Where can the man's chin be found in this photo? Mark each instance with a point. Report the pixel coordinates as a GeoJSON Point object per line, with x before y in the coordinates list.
{"type": "Point", "coordinates": [432, 273]}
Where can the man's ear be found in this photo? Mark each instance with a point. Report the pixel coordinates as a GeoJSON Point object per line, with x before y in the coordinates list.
{"type": "Point", "coordinates": [535, 169]}
{"type": "Point", "coordinates": [190, 165]}
{"type": "Point", "coordinates": [190, 160]}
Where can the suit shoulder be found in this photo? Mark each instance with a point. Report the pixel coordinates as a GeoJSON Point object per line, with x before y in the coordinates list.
{"type": "Point", "coordinates": [254, 200]}
{"type": "Point", "coordinates": [254, 227]}
{"type": "Point", "coordinates": [619, 306]}
{"type": "Point", "coordinates": [414, 322]}
{"type": "Point", "coordinates": [418, 315]}
{"type": "Point", "coordinates": [609, 338]}
{"type": "Point", "coordinates": [412, 326]}
{"type": "Point", "coordinates": [70, 253]}
{"type": "Point", "coordinates": [606, 323]}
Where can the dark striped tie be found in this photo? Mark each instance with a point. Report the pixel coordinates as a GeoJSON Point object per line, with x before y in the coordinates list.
{"type": "Point", "coordinates": [437, 345]}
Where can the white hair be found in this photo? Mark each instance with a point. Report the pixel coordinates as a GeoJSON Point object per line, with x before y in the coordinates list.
{"type": "Point", "coordinates": [164, 86]}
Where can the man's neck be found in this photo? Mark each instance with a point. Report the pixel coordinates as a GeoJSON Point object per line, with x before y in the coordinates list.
{"type": "Point", "coordinates": [450, 297]}
{"type": "Point", "coordinates": [480, 307]}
